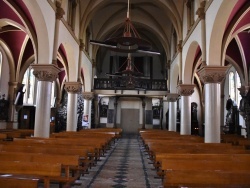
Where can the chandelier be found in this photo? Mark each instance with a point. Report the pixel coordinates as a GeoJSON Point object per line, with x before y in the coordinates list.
{"type": "Point", "coordinates": [129, 42]}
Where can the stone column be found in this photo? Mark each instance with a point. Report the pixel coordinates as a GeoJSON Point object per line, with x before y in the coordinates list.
{"type": "Point", "coordinates": [212, 76]}
{"type": "Point", "coordinates": [45, 74]}
{"type": "Point", "coordinates": [172, 98]}
{"type": "Point", "coordinates": [168, 64]}
{"type": "Point", "coordinates": [115, 111]}
{"type": "Point", "coordinates": [81, 48]}
{"type": "Point", "coordinates": [179, 47]}
{"type": "Point", "coordinates": [244, 109]}
{"type": "Point", "coordinates": [59, 14]}
{"type": "Point", "coordinates": [13, 110]}
{"type": "Point", "coordinates": [143, 113]}
{"type": "Point", "coordinates": [97, 111]}
{"type": "Point", "coordinates": [161, 113]}
{"type": "Point", "coordinates": [201, 13]}
{"type": "Point", "coordinates": [188, 4]}
{"type": "Point", "coordinates": [73, 89]}
{"type": "Point", "coordinates": [185, 90]}
{"type": "Point", "coordinates": [88, 96]}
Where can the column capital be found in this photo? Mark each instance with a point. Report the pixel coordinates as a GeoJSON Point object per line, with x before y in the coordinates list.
{"type": "Point", "coordinates": [81, 46]}
{"type": "Point", "coordinates": [15, 84]}
{"type": "Point", "coordinates": [172, 97]}
{"type": "Point", "coordinates": [45, 72]}
{"type": "Point", "coordinates": [59, 13]}
{"type": "Point", "coordinates": [188, 3]}
{"type": "Point", "coordinates": [168, 64]}
{"type": "Point", "coordinates": [212, 74]}
{"type": "Point", "coordinates": [93, 63]}
{"type": "Point", "coordinates": [59, 10]}
{"type": "Point", "coordinates": [185, 89]}
{"type": "Point", "coordinates": [243, 90]}
{"type": "Point", "coordinates": [88, 95]}
{"type": "Point", "coordinates": [179, 46]}
{"type": "Point", "coordinates": [201, 13]}
{"type": "Point", "coordinates": [72, 87]}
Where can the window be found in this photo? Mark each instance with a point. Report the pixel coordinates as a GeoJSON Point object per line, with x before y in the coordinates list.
{"type": "Point", "coordinates": [1, 61]}
{"type": "Point", "coordinates": [234, 83]}
{"type": "Point", "coordinates": [29, 81]}
{"type": "Point", "coordinates": [72, 12]}
{"type": "Point", "coordinates": [30, 84]}
{"type": "Point", "coordinates": [190, 13]}
{"type": "Point", "coordinates": [232, 86]}
{"type": "Point", "coordinates": [238, 85]}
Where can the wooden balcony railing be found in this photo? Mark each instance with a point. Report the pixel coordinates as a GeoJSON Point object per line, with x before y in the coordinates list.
{"type": "Point", "coordinates": [130, 84]}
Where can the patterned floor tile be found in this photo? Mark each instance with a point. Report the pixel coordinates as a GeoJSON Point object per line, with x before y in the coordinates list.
{"type": "Point", "coordinates": [125, 165]}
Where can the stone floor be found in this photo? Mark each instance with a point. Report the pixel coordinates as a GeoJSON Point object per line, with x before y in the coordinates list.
{"type": "Point", "coordinates": [124, 165]}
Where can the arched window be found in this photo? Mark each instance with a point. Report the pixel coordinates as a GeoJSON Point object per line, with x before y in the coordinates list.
{"type": "Point", "coordinates": [1, 62]}
{"type": "Point", "coordinates": [72, 13]}
{"type": "Point", "coordinates": [29, 84]}
{"type": "Point", "coordinates": [231, 86]}
{"type": "Point", "coordinates": [238, 85]}
{"type": "Point", "coordinates": [190, 13]}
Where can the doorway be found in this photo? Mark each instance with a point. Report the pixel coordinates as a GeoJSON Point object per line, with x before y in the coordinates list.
{"type": "Point", "coordinates": [130, 121]}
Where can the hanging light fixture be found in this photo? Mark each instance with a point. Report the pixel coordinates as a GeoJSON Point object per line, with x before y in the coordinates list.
{"type": "Point", "coordinates": [129, 42]}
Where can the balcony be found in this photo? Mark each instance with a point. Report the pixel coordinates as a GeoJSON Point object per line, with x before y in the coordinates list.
{"type": "Point", "coordinates": [132, 84]}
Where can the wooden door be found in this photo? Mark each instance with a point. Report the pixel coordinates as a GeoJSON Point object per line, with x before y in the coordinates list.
{"type": "Point", "coordinates": [130, 120]}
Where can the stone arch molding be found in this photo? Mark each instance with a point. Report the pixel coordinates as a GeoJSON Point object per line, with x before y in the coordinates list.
{"type": "Point", "coordinates": [44, 26]}
{"type": "Point", "coordinates": [174, 77]}
{"type": "Point", "coordinates": [219, 17]}
{"type": "Point", "coordinates": [9, 56]}
{"type": "Point", "coordinates": [189, 55]}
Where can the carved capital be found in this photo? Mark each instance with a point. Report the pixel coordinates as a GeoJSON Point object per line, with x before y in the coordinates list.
{"type": "Point", "coordinates": [72, 87]}
{"type": "Point", "coordinates": [168, 64]}
{"type": "Point", "coordinates": [179, 46]}
{"type": "Point", "coordinates": [201, 13]}
{"type": "Point", "coordinates": [188, 3]}
{"type": "Point", "coordinates": [46, 72]}
{"type": "Point", "coordinates": [59, 13]}
{"type": "Point", "coordinates": [15, 84]}
{"type": "Point", "coordinates": [185, 89]}
{"type": "Point", "coordinates": [93, 63]}
{"type": "Point", "coordinates": [172, 97]}
{"type": "Point", "coordinates": [243, 90]}
{"type": "Point", "coordinates": [212, 74]}
{"type": "Point", "coordinates": [81, 46]}
{"type": "Point", "coordinates": [88, 95]}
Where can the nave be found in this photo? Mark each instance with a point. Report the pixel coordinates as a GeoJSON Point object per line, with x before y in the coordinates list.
{"type": "Point", "coordinates": [124, 165]}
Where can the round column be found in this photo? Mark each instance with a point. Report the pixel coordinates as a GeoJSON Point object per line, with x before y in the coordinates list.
{"type": "Point", "coordinates": [88, 96]}
{"type": "Point", "coordinates": [13, 110]}
{"type": "Point", "coordinates": [115, 111]}
{"type": "Point", "coordinates": [172, 98]}
{"type": "Point", "coordinates": [143, 113]}
{"type": "Point", "coordinates": [45, 74]}
{"type": "Point", "coordinates": [185, 90]}
{"type": "Point", "coordinates": [212, 76]}
{"type": "Point", "coordinates": [179, 47]}
{"type": "Point", "coordinates": [73, 89]}
{"type": "Point", "coordinates": [201, 13]}
{"type": "Point", "coordinates": [59, 14]}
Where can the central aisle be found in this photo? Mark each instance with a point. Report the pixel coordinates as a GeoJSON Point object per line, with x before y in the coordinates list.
{"type": "Point", "coordinates": [125, 165]}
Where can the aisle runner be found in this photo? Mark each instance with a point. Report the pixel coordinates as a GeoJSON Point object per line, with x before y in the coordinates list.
{"type": "Point", "coordinates": [124, 166]}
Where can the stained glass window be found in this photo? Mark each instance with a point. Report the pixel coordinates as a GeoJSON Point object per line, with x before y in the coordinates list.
{"type": "Point", "coordinates": [232, 86]}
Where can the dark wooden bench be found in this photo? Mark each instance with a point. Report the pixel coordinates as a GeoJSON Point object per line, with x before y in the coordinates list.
{"type": "Point", "coordinates": [15, 182]}
{"type": "Point", "coordinates": [207, 178]}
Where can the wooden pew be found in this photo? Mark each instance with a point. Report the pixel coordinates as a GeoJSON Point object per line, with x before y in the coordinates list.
{"type": "Point", "coordinates": [70, 163]}
{"type": "Point", "coordinates": [3, 136]}
{"type": "Point", "coordinates": [45, 172]}
{"type": "Point", "coordinates": [11, 182]}
{"type": "Point", "coordinates": [207, 178]}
